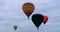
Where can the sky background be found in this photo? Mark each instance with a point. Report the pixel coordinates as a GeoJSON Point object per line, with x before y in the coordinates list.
{"type": "Point", "coordinates": [11, 14]}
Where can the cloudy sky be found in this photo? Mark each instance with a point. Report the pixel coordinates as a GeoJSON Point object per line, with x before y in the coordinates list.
{"type": "Point", "coordinates": [11, 14]}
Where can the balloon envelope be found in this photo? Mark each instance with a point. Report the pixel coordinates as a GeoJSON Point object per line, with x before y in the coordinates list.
{"type": "Point", "coordinates": [37, 19]}
{"type": "Point", "coordinates": [15, 27]}
{"type": "Point", "coordinates": [28, 8]}
{"type": "Point", "coordinates": [45, 19]}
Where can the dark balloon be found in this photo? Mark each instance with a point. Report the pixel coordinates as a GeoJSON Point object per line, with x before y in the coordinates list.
{"type": "Point", "coordinates": [28, 8]}
{"type": "Point", "coordinates": [45, 19]}
{"type": "Point", "coordinates": [37, 19]}
{"type": "Point", "coordinates": [15, 27]}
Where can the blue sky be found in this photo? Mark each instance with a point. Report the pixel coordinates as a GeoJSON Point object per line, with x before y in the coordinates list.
{"type": "Point", "coordinates": [11, 14]}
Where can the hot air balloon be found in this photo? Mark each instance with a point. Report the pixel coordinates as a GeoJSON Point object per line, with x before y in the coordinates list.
{"type": "Point", "coordinates": [28, 8]}
{"type": "Point", "coordinates": [15, 27]}
{"type": "Point", "coordinates": [45, 19]}
{"type": "Point", "coordinates": [37, 19]}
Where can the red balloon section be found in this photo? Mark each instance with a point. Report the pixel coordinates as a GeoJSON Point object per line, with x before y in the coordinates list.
{"type": "Point", "coordinates": [45, 19]}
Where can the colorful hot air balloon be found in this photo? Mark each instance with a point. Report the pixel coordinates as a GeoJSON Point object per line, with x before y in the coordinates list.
{"type": "Point", "coordinates": [45, 19]}
{"type": "Point", "coordinates": [15, 27]}
{"type": "Point", "coordinates": [28, 8]}
{"type": "Point", "coordinates": [37, 19]}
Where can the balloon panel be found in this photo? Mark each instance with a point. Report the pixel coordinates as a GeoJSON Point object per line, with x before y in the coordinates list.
{"type": "Point", "coordinates": [15, 27]}
{"type": "Point", "coordinates": [37, 19]}
{"type": "Point", "coordinates": [45, 19]}
{"type": "Point", "coordinates": [28, 8]}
